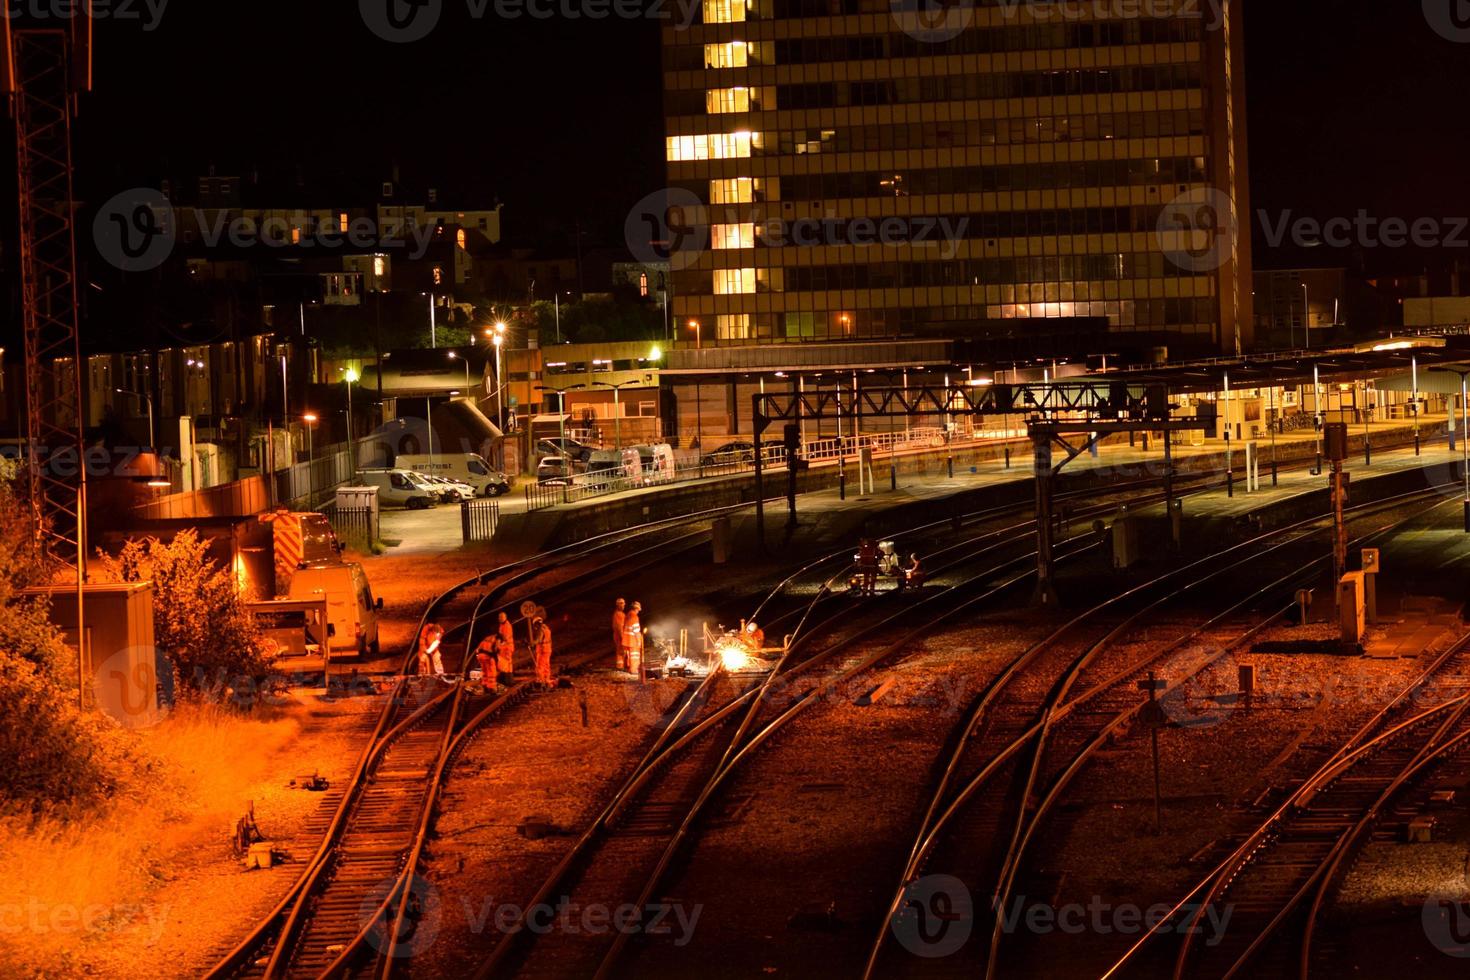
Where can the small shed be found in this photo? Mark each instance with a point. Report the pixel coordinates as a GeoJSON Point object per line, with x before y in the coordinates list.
{"type": "Point", "coordinates": [122, 663]}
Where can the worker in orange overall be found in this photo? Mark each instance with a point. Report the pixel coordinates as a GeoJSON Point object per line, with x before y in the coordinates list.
{"type": "Point", "coordinates": [541, 646]}
{"type": "Point", "coordinates": [506, 631]}
{"type": "Point", "coordinates": [430, 660]}
{"type": "Point", "coordinates": [485, 653]}
{"type": "Point", "coordinates": [633, 640]}
{"type": "Point", "coordinates": [619, 622]}
{"type": "Point", "coordinates": [505, 658]}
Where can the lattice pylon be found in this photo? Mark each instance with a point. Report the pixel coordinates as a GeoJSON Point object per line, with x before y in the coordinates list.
{"type": "Point", "coordinates": [41, 104]}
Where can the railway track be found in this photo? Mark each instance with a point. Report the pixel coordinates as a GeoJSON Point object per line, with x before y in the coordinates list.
{"type": "Point", "coordinates": [652, 812]}
{"type": "Point", "coordinates": [1035, 744]}
{"type": "Point", "coordinates": [1278, 881]}
{"type": "Point", "coordinates": [360, 878]}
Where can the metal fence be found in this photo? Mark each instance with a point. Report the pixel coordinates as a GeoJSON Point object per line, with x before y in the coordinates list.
{"type": "Point", "coordinates": [583, 486]}
{"type": "Point", "coordinates": [356, 527]}
{"type": "Point", "coordinates": [479, 519]}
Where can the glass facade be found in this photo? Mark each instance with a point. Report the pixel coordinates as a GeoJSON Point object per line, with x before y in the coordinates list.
{"type": "Point", "coordinates": [865, 174]}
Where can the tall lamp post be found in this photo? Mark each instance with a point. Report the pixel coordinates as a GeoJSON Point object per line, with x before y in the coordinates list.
{"type": "Point", "coordinates": [453, 356]}
{"type": "Point", "coordinates": [310, 419]}
{"type": "Point", "coordinates": [617, 407]}
{"type": "Point", "coordinates": [351, 375]}
{"type": "Point", "coordinates": [698, 400]}
{"type": "Point", "coordinates": [148, 402]}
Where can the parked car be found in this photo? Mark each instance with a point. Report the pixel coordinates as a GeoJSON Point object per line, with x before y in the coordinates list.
{"type": "Point", "coordinates": [468, 468]}
{"type": "Point", "coordinates": [399, 488]}
{"type": "Point", "coordinates": [553, 471]}
{"type": "Point", "coordinates": [451, 490]}
{"type": "Point", "coordinates": [570, 448]}
{"type": "Point", "coordinates": [731, 452]}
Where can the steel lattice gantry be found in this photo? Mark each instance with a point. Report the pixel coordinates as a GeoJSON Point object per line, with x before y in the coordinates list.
{"type": "Point", "coordinates": [1092, 408]}
{"type": "Point", "coordinates": [46, 68]}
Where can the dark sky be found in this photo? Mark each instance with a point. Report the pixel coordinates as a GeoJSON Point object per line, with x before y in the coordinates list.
{"type": "Point", "coordinates": [1353, 104]}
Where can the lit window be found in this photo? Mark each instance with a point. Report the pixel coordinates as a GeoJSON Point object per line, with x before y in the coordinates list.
{"type": "Point", "coordinates": [732, 326]}
{"type": "Point", "coordinates": [718, 100]}
{"type": "Point", "coordinates": [734, 281]}
{"type": "Point", "coordinates": [724, 11]}
{"type": "Point", "coordinates": [732, 236]}
{"type": "Point", "coordinates": [342, 222]}
{"type": "Point", "coordinates": [715, 146]}
{"type": "Point", "coordinates": [643, 284]}
{"type": "Point", "coordinates": [438, 275]}
{"type": "Point", "coordinates": [460, 238]}
{"type": "Point", "coordinates": [379, 265]}
{"type": "Point", "coordinates": [731, 54]}
{"type": "Point", "coordinates": [295, 236]}
{"type": "Point", "coordinates": [735, 190]}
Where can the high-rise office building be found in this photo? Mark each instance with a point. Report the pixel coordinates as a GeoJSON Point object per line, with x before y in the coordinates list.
{"type": "Point", "coordinates": [1001, 170]}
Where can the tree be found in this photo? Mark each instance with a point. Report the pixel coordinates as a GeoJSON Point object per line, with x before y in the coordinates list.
{"type": "Point", "coordinates": [199, 619]}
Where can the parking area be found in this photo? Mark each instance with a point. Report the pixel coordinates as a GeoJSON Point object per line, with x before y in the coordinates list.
{"type": "Point", "coordinates": [435, 530]}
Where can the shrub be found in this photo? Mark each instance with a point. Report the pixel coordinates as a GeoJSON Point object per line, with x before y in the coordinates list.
{"type": "Point", "coordinates": [199, 618]}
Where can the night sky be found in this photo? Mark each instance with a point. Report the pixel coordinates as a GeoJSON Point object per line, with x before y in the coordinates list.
{"type": "Point", "coordinates": [1353, 104]}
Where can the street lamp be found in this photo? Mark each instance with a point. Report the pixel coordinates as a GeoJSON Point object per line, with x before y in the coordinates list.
{"type": "Point", "coordinates": [499, 341]}
{"type": "Point", "coordinates": [617, 407]}
{"type": "Point", "coordinates": [351, 375]}
{"type": "Point", "coordinates": [310, 419]}
{"type": "Point", "coordinates": [147, 400]}
{"type": "Point", "coordinates": [455, 357]}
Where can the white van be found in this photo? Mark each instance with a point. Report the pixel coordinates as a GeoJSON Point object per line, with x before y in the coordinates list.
{"type": "Point", "coordinates": [399, 488]}
{"type": "Point", "coordinates": [351, 609]}
{"type": "Point", "coordinates": [467, 468]}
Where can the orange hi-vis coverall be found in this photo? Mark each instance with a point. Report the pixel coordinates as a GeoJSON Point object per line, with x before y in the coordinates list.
{"type": "Point", "coordinates": [485, 654]}
{"type": "Point", "coordinates": [632, 643]}
{"type": "Point", "coordinates": [619, 623]}
{"type": "Point", "coordinates": [542, 642]}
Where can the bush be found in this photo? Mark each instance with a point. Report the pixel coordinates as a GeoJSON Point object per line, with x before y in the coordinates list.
{"type": "Point", "coordinates": [199, 619]}
{"type": "Point", "coordinates": [56, 756]}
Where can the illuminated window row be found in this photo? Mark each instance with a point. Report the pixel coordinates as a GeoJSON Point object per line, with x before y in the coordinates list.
{"type": "Point", "coordinates": [1104, 127]}
{"type": "Point", "coordinates": [732, 54]}
{"type": "Point", "coordinates": [739, 99]}
{"type": "Point", "coordinates": [710, 146]}
{"type": "Point", "coordinates": [950, 180]}
{"type": "Point", "coordinates": [974, 40]}
{"type": "Point", "coordinates": [949, 88]}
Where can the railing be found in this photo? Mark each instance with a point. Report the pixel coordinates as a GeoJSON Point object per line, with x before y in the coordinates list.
{"type": "Point", "coordinates": [479, 519]}
{"type": "Point", "coordinates": [356, 527]}
{"type": "Point", "coordinates": [584, 486]}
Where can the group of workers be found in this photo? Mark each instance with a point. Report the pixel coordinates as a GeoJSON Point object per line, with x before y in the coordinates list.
{"type": "Point", "coordinates": [495, 654]}
{"type": "Point", "coordinates": [874, 558]}
{"type": "Point", "coordinates": [627, 636]}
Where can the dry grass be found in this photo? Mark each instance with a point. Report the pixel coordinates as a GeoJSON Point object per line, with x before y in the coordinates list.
{"type": "Point", "coordinates": [73, 882]}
